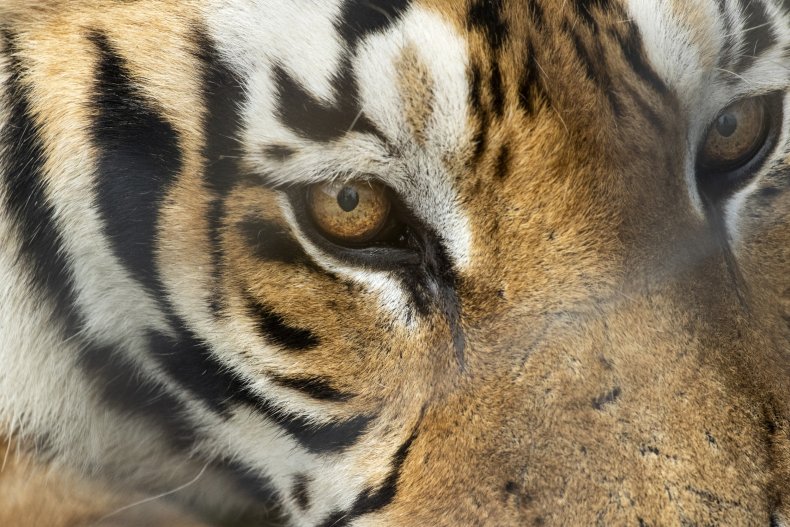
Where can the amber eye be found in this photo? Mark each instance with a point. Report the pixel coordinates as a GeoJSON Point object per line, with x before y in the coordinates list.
{"type": "Point", "coordinates": [353, 212]}
{"type": "Point", "coordinates": [736, 137]}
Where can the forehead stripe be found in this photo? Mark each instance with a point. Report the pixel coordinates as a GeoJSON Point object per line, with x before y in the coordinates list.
{"type": "Point", "coordinates": [314, 119]}
{"type": "Point", "coordinates": [360, 18]}
{"type": "Point", "coordinates": [758, 33]}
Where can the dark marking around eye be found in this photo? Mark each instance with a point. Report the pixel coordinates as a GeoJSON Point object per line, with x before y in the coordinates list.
{"type": "Point", "coordinates": [276, 330]}
{"type": "Point", "coordinates": [271, 242]}
{"type": "Point", "coordinates": [599, 403]}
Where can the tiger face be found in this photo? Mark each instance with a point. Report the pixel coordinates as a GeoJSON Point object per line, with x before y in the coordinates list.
{"type": "Point", "coordinates": [481, 262]}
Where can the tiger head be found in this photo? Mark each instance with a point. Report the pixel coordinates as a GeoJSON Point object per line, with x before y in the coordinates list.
{"type": "Point", "coordinates": [482, 262]}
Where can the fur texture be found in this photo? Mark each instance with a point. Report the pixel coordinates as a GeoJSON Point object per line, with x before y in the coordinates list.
{"type": "Point", "coordinates": [577, 333]}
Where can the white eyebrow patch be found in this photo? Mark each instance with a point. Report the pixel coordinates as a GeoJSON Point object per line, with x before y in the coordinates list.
{"type": "Point", "coordinates": [442, 51]}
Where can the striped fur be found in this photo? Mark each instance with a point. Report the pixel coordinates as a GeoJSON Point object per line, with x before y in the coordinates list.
{"type": "Point", "coordinates": [576, 333]}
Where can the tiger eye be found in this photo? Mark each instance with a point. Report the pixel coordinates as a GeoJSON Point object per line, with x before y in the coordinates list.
{"type": "Point", "coordinates": [353, 212]}
{"type": "Point", "coordinates": [736, 136]}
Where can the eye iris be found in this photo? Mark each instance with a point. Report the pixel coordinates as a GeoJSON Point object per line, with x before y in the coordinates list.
{"type": "Point", "coordinates": [735, 137]}
{"type": "Point", "coordinates": [353, 212]}
{"type": "Point", "coordinates": [727, 124]}
{"type": "Point", "coordinates": [348, 198]}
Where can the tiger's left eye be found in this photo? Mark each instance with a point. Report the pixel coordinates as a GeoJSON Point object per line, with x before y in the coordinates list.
{"type": "Point", "coordinates": [736, 137]}
{"type": "Point", "coordinates": [353, 212]}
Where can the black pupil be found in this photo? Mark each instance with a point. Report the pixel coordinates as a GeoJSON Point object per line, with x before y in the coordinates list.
{"type": "Point", "coordinates": [348, 198]}
{"type": "Point", "coordinates": [726, 125]}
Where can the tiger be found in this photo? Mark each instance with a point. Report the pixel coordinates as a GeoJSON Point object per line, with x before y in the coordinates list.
{"type": "Point", "coordinates": [336, 263]}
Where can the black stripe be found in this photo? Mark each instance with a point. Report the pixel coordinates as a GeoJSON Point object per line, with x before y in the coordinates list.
{"type": "Point", "coordinates": [648, 111]}
{"type": "Point", "coordinates": [360, 18]}
{"type": "Point", "coordinates": [375, 499]}
{"type": "Point", "coordinates": [594, 63]}
{"type": "Point", "coordinates": [256, 486]}
{"type": "Point", "coordinates": [335, 519]}
{"type": "Point", "coordinates": [633, 51]}
{"type": "Point", "coordinates": [300, 492]}
{"type": "Point", "coordinates": [766, 195]}
{"type": "Point", "coordinates": [41, 243]}
{"type": "Point", "coordinates": [476, 102]}
{"type": "Point", "coordinates": [315, 387]}
{"type": "Point", "coordinates": [758, 33]}
{"type": "Point", "coordinates": [314, 119]}
{"type": "Point", "coordinates": [126, 389]}
{"type": "Point", "coordinates": [139, 159]}
{"type": "Point", "coordinates": [532, 91]}
{"type": "Point", "coordinates": [487, 16]}
{"type": "Point", "coordinates": [279, 152]}
{"type": "Point", "coordinates": [190, 363]}
{"type": "Point", "coordinates": [271, 242]}
{"type": "Point", "coordinates": [497, 90]}
{"type": "Point", "coordinates": [585, 9]}
{"type": "Point", "coordinates": [536, 14]}
{"type": "Point", "coordinates": [502, 167]}
{"type": "Point", "coordinates": [223, 97]}
{"type": "Point", "coordinates": [728, 48]}
{"type": "Point", "coordinates": [276, 330]}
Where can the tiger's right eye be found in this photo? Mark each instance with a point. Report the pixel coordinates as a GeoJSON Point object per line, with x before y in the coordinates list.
{"type": "Point", "coordinates": [351, 212]}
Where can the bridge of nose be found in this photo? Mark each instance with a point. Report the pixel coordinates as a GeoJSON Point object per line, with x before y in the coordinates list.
{"type": "Point", "coordinates": [622, 413]}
